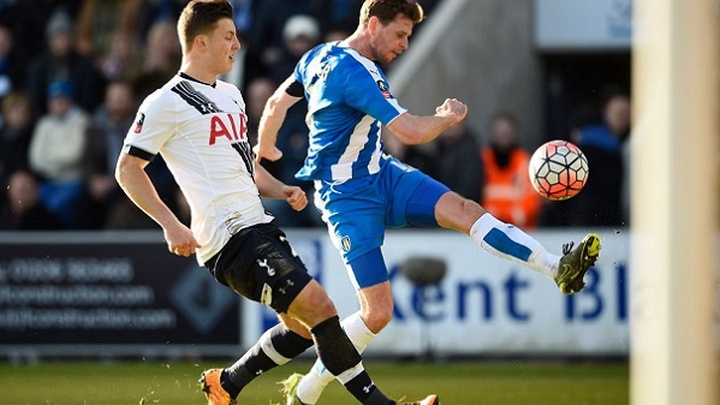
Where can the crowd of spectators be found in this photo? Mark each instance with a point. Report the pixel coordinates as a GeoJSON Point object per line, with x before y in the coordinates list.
{"type": "Point", "coordinates": [72, 74]}
{"type": "Point", "coordinates": [495, 172]}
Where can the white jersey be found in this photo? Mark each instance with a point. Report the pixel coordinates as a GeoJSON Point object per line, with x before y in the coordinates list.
{"type": "Point", "coordinates": [201, 132]}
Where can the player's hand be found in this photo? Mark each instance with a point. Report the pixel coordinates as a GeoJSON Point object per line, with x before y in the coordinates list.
{"type": "Point", "coordinates": [272, 153]}
{"type": "Point", "coordinates": [295, 196]}
{"type": "Point", "coordinates": [454, 108]}
{"type": "Point", "coordinates": [180, 240]}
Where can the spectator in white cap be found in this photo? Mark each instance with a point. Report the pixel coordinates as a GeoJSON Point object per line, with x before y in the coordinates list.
{"type": "Point", "coordinates": [300, 34]}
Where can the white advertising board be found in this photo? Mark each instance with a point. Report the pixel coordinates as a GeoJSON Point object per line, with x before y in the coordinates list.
{"type": "Point", "coordinates": [484, 305]}
{"type": "Point", "coordinates": [583, 24]}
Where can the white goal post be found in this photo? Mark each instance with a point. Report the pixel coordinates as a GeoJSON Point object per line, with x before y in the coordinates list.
{"type": "Point", "coordinates": [675, 155]}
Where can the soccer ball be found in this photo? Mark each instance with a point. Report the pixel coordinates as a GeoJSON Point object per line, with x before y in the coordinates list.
{"type": "Point", "coordinates": [558, 170]}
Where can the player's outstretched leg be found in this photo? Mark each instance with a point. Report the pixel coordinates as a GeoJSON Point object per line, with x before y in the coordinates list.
{"type": "Point", "coordinates": [511, 243]}
{"type": "Point", "coordinates": [576, 262]}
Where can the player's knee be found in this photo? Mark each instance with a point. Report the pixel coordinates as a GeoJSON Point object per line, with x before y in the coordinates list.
{"type": "Point", "coordinates": [312, 305]}
{"type": "Point", "coordinates": [456, 212]}
{"type": "Point", "coordinates": [320, 303]}
{"type": "Point", "coordinates": [377, 317]}
{"type": "Point", "coordinates": [325, 308]}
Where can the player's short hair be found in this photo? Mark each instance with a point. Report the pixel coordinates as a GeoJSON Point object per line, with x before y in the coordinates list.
{"type": "Point", "coordinates": [387, 10]}
{"type": "Point", "coordinates": [199, 17]}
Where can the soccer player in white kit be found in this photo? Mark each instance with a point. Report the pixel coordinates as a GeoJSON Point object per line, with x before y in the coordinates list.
{"type": "Point", "coordinates": [198, 124]}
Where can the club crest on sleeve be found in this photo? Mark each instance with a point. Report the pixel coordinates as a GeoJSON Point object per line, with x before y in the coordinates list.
{"type": "Point", "coordinates": [345, 243]}
{"type": "Point", "coordinates": [139, 123]}
{"type": "Point", "coordinates": [384, 89]}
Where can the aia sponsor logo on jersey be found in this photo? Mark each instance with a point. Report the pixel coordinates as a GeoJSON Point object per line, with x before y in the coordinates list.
{"type": "Point", "coordinates": [384, 89]}
{"type": "Point", "coordinates": [230, 126]}
{"type": "Point", "coordinates": [139, 123]}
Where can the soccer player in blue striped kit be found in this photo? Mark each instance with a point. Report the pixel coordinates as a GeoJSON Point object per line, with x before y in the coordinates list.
{"type": "Point", "coordinates": [360, 190]}
{"type": "Point", "coordinates": [198, 124]}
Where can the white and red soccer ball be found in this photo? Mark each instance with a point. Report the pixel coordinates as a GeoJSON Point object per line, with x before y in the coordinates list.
{"type": "Point", "coordinates": [558, 170]}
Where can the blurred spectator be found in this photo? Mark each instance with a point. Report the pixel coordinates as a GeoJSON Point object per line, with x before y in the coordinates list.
{"type": "Point", "coordinates": [300, 34]}
{"type": "Point", "coordinates": [459, 165]}
{"type": "Point", "coordinates": [293, 142]}
{"type": "Point", "coordinates": [161, 59]}
{"type": "Point", "coordinates": [248, 59]}
{"type": "Point", "coordinates": [120, 57]}
{"type": "Point", "coordinates": [336, 35]}
{"type": "Point", "coordinates": [600, 201]}
{"type": "Point", "coordinates": [422, 157]}
{"type": "Point", "coordinates": [248, 65]}
{"type": "Point", "coordinates": [23, 209]}
{"type": "Point", "coordinates": [269, 24]}
{"type": "Point", "coordinates": [124, 214]}
{"type": "Point", "coordinates": [152, 12]}
{"type": "Point", "coordinates": [103, 144]}
{"type": "Point", "coordinates": [15, 134]}
{"type": "Point", "coordinates": [86, 33]}
{"type": "Point", "coordinates": [338, 14]}
{"type": "Point", "coordinates": [243, 15]}
{"type": "Point", "coordinates": [508, 194]}
{"type": "Point", "coordinates": [63, 62]}
{"type": "Point", "coordinates": [127, 216]}
{"type": "Point", "coordinates": [28, 20]}
{"type": "Point", "coordinates": [8, 11]}
{"type": "Point", "coordinates": [11, 64]}
{"type": "Point", "coordinates": [258, 92]}
{"type": "Point", "coordinates": [56, 153]}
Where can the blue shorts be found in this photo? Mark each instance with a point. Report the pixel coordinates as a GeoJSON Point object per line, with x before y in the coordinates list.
{"type": "Point", "coordinates": [357, 211]}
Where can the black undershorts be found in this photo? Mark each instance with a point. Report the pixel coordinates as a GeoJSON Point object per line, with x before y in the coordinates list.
{"type": "Point", "coordinates": [259, 263]}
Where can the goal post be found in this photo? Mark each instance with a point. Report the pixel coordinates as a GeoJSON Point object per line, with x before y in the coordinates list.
{"type": "Point", "coordinates": [674, 160]}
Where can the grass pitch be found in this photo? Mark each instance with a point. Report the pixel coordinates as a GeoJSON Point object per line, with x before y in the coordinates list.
{"type": "Point", "coordinates": [457, 383]}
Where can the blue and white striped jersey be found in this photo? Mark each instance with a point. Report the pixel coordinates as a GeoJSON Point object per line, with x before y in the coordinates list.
{"type": "Point", "coordinates": [348, 98]}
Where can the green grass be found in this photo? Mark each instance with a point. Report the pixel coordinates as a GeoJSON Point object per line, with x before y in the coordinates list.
{"type": "Point", "coordinates": [457, 383]}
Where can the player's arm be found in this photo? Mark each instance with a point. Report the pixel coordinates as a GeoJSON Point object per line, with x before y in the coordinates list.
{"type": "Point", "coordinates": [415, 130]}
{"type": "Point", "coordinates": [286, 95]}
{"type": "Point", "coordinates": [271, 187]}
{"type": "Point", "coordinates": [135, 182]}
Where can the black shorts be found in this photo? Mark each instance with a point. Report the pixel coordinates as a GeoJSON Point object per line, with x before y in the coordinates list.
{"type": "Point", "coordinates": [259, 263]}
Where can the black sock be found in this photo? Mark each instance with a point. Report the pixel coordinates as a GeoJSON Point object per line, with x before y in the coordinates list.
{"type": "Point", "coordinates": [228, 385]}
{"type": "Point", "coordinates": [339, 356]}
{"type": "Point", "coordinates": [363, 388]}
{"type": "Point", "coordinates": [275, 347]}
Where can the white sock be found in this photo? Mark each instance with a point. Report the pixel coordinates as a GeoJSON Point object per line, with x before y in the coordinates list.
{"type": "Point", "coordinates": [315, 381]}
{"type": "Point", "coordinates": [507, 241]}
